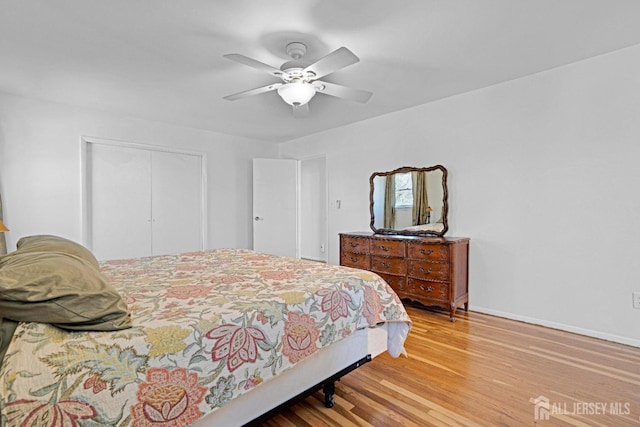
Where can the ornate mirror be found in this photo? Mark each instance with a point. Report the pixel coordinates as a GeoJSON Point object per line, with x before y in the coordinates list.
{"type": "Point", "coordinates": [410, 201]}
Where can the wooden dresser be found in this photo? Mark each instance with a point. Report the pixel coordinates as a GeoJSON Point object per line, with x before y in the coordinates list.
{"type": "Point", "coordinates": [430, 270]}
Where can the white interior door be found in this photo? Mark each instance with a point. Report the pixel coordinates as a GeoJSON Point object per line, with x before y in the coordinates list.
{"type": "Point", "coordinates": [275, 206]}
{"type": "Point", "coordinates": [176, 194]}
{"type": "Point", "coordinates": [118, 187]}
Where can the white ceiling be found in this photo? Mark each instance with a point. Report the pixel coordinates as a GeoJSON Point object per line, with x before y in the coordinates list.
{"type": "Point", "coordinates": [163, 59]}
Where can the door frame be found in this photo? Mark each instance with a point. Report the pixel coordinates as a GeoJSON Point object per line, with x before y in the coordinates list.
{"type": "Point", "coordinates": [87, 238]}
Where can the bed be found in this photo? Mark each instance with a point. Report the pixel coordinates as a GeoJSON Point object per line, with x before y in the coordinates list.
{"type": "Point", "coordinates": [218, 337]}
{"type": "Point", "coordinates": [435, 227]}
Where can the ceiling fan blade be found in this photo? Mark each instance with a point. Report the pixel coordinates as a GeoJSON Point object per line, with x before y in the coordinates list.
{"type": "Point", "coordinates": [340, 91]}
{"type": "Point", "coordinates": [301, 111]}
{"type": "Point", "coordinates": [252, 92]}
{"type": "Point", "coordinates": [334, 61]}
{"type": "Point", "coordinates": [254, 64]}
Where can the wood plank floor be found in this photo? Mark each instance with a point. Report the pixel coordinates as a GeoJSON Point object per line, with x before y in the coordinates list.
{"type": "Point", "coordinates": [484, 371]}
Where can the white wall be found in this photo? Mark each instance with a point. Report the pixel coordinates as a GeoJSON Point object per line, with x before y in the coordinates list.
{"type": "Point", "coordinates": [40, 168]}
{"type": "Point", "coordinates": [543, 177]}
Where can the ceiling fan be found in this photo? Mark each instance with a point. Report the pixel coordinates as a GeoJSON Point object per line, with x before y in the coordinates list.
{"type": "Point", "coordinates": [300, 79]}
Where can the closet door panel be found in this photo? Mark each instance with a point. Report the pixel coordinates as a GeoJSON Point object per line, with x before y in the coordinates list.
{"type": "Point", "coordinates": [118, 201]}
{"type": "Point", "coordinates": [176, 192]}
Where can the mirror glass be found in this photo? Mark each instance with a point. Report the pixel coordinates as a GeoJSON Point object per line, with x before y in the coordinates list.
{"type": "Point", "coordinates": [410, 201]}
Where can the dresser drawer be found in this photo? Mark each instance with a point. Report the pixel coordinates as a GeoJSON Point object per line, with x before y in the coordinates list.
{"type": "Point", "coordinates": [398, 283]}
{"type": "Point", "coordinates": [381, 264]}
{"type": "Point", "coordinates": [387, 247]}
{"type": "Point", "coordinates": [428, 270]}
{"type": "Point", "coordinates": [354, 244]}
{"type": "Point", "coordinates": [351, 259]}
{"type": "Point", "coordinates": [432, 290]}
{"type": "Point", "coordinates": [429, 251]}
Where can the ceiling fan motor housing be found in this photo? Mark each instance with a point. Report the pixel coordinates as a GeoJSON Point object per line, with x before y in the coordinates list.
{"type": "Point", "coordinates": [296, 50]}
{"type": "Point", "coordinates": [293, 70]}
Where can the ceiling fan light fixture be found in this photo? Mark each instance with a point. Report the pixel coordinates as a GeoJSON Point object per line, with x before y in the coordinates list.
{"type": "Point", "coordinates": [296, 93]}
{"type": "Point", "coordinates": [299, 78]}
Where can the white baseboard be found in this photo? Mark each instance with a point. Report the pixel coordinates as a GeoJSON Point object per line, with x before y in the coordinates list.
{"type": "Point", "coordinates": [560, 326]}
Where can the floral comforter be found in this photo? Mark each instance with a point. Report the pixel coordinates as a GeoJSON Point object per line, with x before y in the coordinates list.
{"type": "Point", "coordinates": [208, 327]}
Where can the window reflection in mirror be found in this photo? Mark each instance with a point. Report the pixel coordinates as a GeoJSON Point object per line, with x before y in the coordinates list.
{"type": "Point", "coordinates": [409, 201]}
{"type": "Point", "coordinates": [404, 190]}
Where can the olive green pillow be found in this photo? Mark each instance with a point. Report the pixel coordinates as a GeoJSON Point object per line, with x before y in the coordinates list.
{"type": "Point", "coordinates": [61, 289]}
{"type": "Point", "coordinates": [46, 243]}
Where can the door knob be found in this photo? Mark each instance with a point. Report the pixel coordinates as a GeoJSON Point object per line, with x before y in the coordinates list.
{"type": "Point", "coordinates": [257, 218]}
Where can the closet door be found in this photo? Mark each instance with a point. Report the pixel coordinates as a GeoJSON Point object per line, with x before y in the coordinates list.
{"type": "Point", "coordinates": [143, 202]}
{"type": "Point", "coordinates": [119, 205]}
{"type": "Point", "coordinates": [176, 194]}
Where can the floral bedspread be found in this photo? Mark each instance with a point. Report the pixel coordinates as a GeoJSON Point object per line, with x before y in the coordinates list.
{"type": "Point", "coordinates": [208, 327]}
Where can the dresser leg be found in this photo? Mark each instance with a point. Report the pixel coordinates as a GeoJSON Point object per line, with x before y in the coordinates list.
{"type": "Point", "coordinates": [452, 313]}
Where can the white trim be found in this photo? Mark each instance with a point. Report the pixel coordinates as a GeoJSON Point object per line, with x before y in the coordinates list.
{"type": "Point", "coordinates": [559, 326]}
{"type": "Point", "coordinates": [85, 215]}
{"type": "Point", "coordinates": [140, 146]}
{"type": "Point", "coordinates": [298, 208]}
{"type": "Point", "coordinates": [314, 259]}
{"type": "Point", "coordinates": [84, 196]}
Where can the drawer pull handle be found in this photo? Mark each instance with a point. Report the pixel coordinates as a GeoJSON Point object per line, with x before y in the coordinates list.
{"type": "Point", "coordinates": [385, 248]}
{"type": "Point", "coordinates": [428, 288]}
{"type": "Point", "coordinates": [427, 252]}
{"type": "Point", "coordinates": [354, 245]}
{"type": "Point", "coordinates": [386, 264]}
{"type": "Point", "coordinates": [354, 259]}
{"type": "Point", "coordinates": [428, 271]}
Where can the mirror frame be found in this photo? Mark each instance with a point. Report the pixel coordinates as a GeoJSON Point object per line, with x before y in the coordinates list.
{"type": "Point", "coordinates": [445, 204]}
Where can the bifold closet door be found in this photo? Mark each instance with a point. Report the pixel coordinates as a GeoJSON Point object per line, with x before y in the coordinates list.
{"type": "Point", "coordinates": [143, 202]}
{"type": "Point", "coordinates": [176, 194]}
{"type": "Point", "coordinates": [119, 201]}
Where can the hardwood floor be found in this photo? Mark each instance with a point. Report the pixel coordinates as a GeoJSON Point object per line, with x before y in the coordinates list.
{"type": "Point", "coordinates": [484, 371]}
